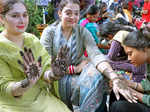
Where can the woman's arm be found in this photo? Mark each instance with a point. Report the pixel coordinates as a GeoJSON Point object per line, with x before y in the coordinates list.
{"type": "Point", "coordinates": [8, 84]}
{"type": "Point", "coordinates": [135, 85]}
{"type": "Point", "coordinates": [98, 59]}
{"type": "Point", "coordinates": [101, 46]}
{"type": "Point", "coordinates": [32, 70]}
{"type": "Point", "coordinates": [140, 70]}
{"type": "Point", "coordinates": [143, 98]}
{"type": "Point", "coordinates": [79, 67]}
{"type": "Point", "coordinates": [138, 95]}
{"type": "Point", "coordinates": [141, 90]}
{"type": "Point", "coordinates": [101, 63]}
{"type": "Point", "coordinates": [50, 77]}
{"type": "Point", "coordinates": [19, 88]}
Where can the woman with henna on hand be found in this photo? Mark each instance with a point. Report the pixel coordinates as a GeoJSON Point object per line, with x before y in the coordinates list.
{"type": "Point", "coordinates": [85, 88]}
{"type": "Point", "coordinates": [137, 47]}
{"type": "Point", "coordinates": [23, 61]}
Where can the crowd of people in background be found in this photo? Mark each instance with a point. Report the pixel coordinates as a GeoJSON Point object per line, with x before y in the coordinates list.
{"type": "Point", "coordinates": [94, 58]}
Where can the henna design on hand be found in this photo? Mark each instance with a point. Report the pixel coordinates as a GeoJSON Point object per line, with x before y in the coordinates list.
{"type": "Point", "coordinates": [61, 62]}
{"type": "Point", "coordinates": [31, 68]}
{"type": "Point", "coordinates": [122, 85]}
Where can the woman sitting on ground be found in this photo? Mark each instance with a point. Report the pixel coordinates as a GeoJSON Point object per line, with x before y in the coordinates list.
{"type": "Point", "coordinates": [137, 47]}
{"type": "Point", "coordinates": [85, 88]}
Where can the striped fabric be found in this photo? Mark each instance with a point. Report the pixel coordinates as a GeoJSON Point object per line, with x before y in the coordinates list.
{"type": "Point", "coordinates": [73, 50]}
{"type": "Point", "coordinates": [77, 89]}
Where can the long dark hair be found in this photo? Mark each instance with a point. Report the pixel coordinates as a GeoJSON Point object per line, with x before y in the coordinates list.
{"type": "Point", "coordinates": [92, 10]}
{"type": "Point", "coordinates": [111, 28]}
{"type": "Point", "coordinates": [138, 39]}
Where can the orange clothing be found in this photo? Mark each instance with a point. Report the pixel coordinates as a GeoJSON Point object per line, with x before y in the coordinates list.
{"type": "Point", "coordinates": [128, 13]}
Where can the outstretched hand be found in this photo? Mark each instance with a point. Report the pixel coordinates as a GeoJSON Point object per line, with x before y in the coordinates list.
{"type": "Point", "coordinates": [120, 87]}
{"type": "Point", "coordinates": [60, 63]}
{"type": "Point", "coordinates": [31, 67]}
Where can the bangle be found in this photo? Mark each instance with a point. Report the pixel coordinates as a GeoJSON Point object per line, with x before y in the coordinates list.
{"type": "Point", "coordinates": [136, 85]}
{"type": "Point", "coordinates": [51, 77]}
{"type": "Point", "coordinates": [25, 83]}
{"type": "Point", "coordinates": [47, 76]}
{"type": "Point", "coordinates": [71, 69]}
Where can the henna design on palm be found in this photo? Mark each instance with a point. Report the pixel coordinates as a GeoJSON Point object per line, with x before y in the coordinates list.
{"type": "Point", "coordinates": [61, 62]}
{"type": "Point", "coordinates": [31, 67]}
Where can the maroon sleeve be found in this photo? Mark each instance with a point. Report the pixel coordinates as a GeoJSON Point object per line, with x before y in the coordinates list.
{"type": "Point", "coordinates": [115, 51]}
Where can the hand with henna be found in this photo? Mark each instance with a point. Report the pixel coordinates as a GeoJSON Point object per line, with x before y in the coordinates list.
{"type": "Point", "coordinates": [60, 63]}
{"type": "Point", "coordinates": [31, 67]}
{"type": "Point", "coordinates": [120, 86]}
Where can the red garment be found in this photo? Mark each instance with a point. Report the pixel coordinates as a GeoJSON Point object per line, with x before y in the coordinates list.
{"type": "Point", "coordinates": [137, 3]}
{"type": "Point", "coordinates": [85, 53]}
{"type": "Point", "coordinates": [99, 18]}
{"type": "Point", "coordinates": [130, 6]}
{"type": "Point", "coordinates": [146, 17]}
{"type": "Point", "coordinates": [139, 23]}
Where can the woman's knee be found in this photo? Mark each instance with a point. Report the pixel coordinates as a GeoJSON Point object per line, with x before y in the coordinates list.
{"type": "Point", "coordinates": [118, 106]}
{"type": "Point", "coordinates": [125, 106]}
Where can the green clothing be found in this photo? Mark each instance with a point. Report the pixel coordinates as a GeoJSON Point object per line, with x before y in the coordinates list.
{"type": "Point", "coordinates": [37, 98]}
{"type": "Point", "coordinates": [146, 86]}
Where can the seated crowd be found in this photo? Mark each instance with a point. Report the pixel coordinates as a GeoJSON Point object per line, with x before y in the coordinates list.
{"type": "Point", "coordinates": [93, 58]}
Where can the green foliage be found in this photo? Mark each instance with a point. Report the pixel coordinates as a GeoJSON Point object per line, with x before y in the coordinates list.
{"type": "Point", "coordinates": [50, 18]}
{"type": "Point", "coordinates": [36, 16]}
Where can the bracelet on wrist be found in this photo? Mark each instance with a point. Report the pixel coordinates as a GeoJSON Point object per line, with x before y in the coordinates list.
{"type": "Point", "coordinates": [25, 83]}
{"type": "Point", "coordinates": [71, 69]}
{"type": "Point", "coordinates": [49, 76]}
